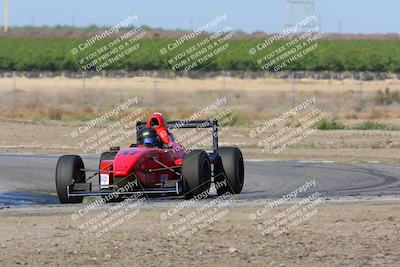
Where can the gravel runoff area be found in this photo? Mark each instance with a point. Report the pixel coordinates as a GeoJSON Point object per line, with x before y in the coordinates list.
{"type": "Point", "coordinates": [333, 234]}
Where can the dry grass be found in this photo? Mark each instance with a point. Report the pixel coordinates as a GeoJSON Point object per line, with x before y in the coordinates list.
{"type": "Point", "coordinates": [58, 105]}
{"type": "Point", "coordinates": [253, 100]}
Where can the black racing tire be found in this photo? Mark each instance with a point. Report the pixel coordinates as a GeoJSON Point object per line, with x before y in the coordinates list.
{"type": "Point", "coordinates": [196, 173]}
{"type": "Point", "coordinates": [229, 168]}
{"type": "Point", "coordinates": [109, 155]}
{"type": "Point", "coordinates": [68, 171]}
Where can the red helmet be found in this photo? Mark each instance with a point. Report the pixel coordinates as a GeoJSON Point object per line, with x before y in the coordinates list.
{"type": "Point", "coordinates": [157, 121]}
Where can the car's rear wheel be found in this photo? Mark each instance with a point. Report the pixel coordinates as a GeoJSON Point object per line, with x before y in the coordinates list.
{"type": "Point", "coordinates": [68, 171]}
{"type": "Point", "coordinates": [229, 171]}
{"type": "Point", "coordinates": [110, 155]}
{"type": "Point", "coordinates": [196, 173]}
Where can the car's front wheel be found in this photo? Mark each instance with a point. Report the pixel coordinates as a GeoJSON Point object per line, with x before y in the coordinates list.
{"type": "Point", "coordinates": [69, 170]}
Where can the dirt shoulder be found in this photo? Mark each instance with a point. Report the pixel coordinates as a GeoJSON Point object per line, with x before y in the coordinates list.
{"type": "Point", "coordinates": [353, 234]}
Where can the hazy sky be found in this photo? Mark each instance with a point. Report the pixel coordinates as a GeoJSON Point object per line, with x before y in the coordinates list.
{"type": "Point", "coordinates": [354, 16]}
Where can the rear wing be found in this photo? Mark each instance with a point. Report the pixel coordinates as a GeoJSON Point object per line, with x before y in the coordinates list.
{"type": "Point", "coordinates": [189, 124]}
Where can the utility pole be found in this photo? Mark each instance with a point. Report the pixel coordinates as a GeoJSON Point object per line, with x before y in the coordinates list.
{"type": "Point", "coordinates": [296, 11]}
{"type": "Point", "coordinates": [83, 88]}
{"type": "Point", "coordinates": [360, 99]}
{"type": "Point", "coordinates": [155, 89]}
{"type": "Point", "coordinates": [5, 15]}
{"type": "Point", "coordinates": [14, 89]}
{"type": "Point", "coordinates": [191, 25]}
{"type": "Point", "coordinates": [293, 89]}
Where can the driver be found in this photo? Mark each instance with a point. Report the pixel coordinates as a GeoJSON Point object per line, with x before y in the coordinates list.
{"type": "Point", "coordinates": [148, 136]}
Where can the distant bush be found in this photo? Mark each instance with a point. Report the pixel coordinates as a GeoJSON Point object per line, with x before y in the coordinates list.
{"type": "Point", "coordinates": [329, 124]}
{"type": "Point", "coordinates": [386, 97]}
{"type": "Point", "coordinates": [234, 118]}
{"type": "Point", "coordinates": [370, 125]}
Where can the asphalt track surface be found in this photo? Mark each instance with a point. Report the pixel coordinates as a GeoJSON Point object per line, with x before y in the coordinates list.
{"type": "Point", "coordinates": [22, 176]}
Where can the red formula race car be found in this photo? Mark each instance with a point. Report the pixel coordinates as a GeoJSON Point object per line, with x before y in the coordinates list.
{"type": "Point", "coordinates": [157, 164]}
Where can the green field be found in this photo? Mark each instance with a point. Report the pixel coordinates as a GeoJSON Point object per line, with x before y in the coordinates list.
{"type": "Point", "coordinates": [54, 54]}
